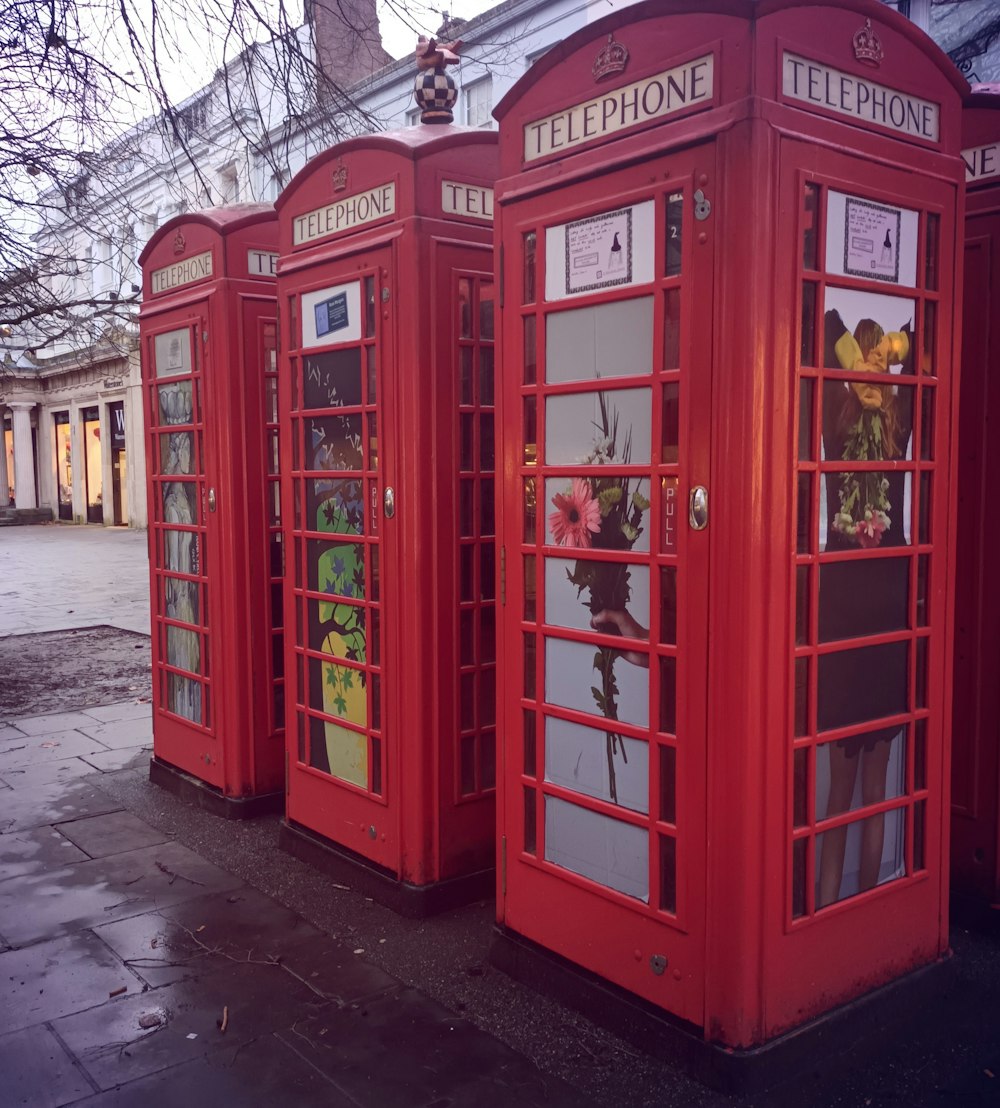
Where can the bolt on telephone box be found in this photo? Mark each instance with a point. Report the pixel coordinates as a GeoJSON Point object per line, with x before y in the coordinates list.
{"type": "Point", "coordinates": [728, 261]}
{"type": "Point", "coordinates": [386, 295]}
{"type": "Point", "coordinates": [208, 334]}
{"type": "Point", "coordinates": [975, 824]}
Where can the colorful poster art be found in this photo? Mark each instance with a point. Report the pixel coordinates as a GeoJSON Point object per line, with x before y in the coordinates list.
{"type": "Point", "coordinates": [872, 240]}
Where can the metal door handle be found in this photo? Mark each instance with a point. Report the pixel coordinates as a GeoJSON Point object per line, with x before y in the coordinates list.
{"type": "Point", "coordinates": [211, 500]}
{"type": "Point", "coordinates": [389, 502]}
{"type": "Point", "coordinates": [698, 508]}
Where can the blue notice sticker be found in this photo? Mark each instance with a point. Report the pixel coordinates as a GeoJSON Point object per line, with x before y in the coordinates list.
{"type": "Point", "coordinates": [331, 315]}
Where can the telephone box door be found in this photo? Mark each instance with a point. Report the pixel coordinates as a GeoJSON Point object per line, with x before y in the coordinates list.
{"type": "Point", "coordinates": [182, 500]}
{"type": "Point", "coordinates": [608, 421]}
{"type": "Point", "coordinates": [343, 757]}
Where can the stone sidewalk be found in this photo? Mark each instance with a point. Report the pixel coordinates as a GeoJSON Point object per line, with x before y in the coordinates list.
{"type": "Point", "coordinates": [135, 972]}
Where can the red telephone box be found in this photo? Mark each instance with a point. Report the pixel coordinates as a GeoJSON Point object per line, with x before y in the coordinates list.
{"type": "Point", "coordinates": [727, 236]}
{"type": "Point", "coordinates": [386, 295]}
{"type": "Point", "coordinates": [975, 845]}
{"type": "Point", "coordinates": [208, 332]}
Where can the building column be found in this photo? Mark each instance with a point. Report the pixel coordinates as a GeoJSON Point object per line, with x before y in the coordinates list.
{"type": "Point", "coordinates": [24, 456]}
{"type": "Point", "coordinates": [4, 483]}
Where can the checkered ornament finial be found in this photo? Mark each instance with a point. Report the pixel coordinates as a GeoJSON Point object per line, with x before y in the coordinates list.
{"type": "Point", "coordinates": [434, 88]}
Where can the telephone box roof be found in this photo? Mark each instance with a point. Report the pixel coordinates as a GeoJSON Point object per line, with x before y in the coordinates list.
{"type": "Point", "coordinates": [228, 218]}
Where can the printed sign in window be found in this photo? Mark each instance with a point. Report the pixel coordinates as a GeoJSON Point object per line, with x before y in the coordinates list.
{"type": "Point", "coordinates": [331, 315]}
{"type": "Point", "coordinates": [866, 239]}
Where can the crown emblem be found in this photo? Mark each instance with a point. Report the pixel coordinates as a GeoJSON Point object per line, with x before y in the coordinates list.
{"type": "Point", "coordinates": [613, 58]}
{"type": "Point", "coordinates": [179, 242]}
{"type": "Point", "coordinates": [867, 45]}
{"type": "Point", "coordinates": [340, 177]}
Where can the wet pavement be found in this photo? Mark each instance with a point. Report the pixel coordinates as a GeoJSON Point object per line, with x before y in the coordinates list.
{"type": "Point", "coordinates": [153, 954]}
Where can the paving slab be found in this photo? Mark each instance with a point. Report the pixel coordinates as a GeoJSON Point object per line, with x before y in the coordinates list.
{"type": "Point", "coordinates": [66, 769]}
{"type": "Point", "coordinates": [53, 723]}
{"type": "Point", "coordinates": [95, 892]}
{"type": "Point", "coordinates": [404, 1048]}
{"type": "Point", "coordinates": [56, 978]}
{"type": "Point", "coordinates": [38, 1072]}
{"type": "Point", "coordinates": [33, 750]}
{"type": "Point", "coordinates": [206, 932]}
{"type": "Point", "coordinates": [264, 1074]}
{"type": "Point", "coordinates": [113, 1046]}
{"type": "Point", "coordinates": [111, 713]}
{"type": "Point", "coordinates": [121, 733]}
{"type": "Point", "coordinates": [114, 833]}
{"type": "Point", "coordinates": [9, 734]}
{"type": "Point", "coordinates": [53, 802]}
{"type": "Point", "coordinates": [36, 851]}
{"type": "Point", "coordinates": [126, 757]}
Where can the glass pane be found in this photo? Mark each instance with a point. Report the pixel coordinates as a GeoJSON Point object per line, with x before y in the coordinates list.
{"type": "Point", "coordinates": [799, 784]}
{"type": "Point", "coordinates": [371, 373]}
{"type": "Point", "coordinates": [928, 363]}
{"type": "Point", "coordinates": [486, 362]}
{"type": "Point", "coordinates": [672, 329]}
{"type": "Point", "coordinates": [370, 307]}
{"type": "Point", "coordinates": [529, 510]}
{"type": "Point", "coordinates": [866, 509]}
{"type": "Point", "coordinates": [927, 424]}
{"type": "Point", "coordinates": [919, 834]}
{"type": "Point", "coordinates": [924, 522]}
{"type": "Point", "coordinates": [180, 505]}
{"type": "Point", "coordinates": [801, 605]}
{"type": "Point", "coordinates": [466, 429]}
{"type": "Point", "coordinates": [860, 771]}
{"type": "Point", "coordinates": [465, 308]}
{"type": "Point", "coordinates": [487, 571]}
{"type": "Point", "coordinates": [176, 403]}
{"type": "Point", "coordinates": [172, 353]}
{"type": "Point", "coordinates": [176, 453]}
{"type": "Point", "coordinates": [798, 878]}
{"type": "Point", "coordinates": [466, 493]}
{"type": "Point", "coordinates": [183, 649]}
{"type": "Point", "coordinates": [810, 227]}
{"type": "Point", "coordinates": [334, 442]}
{"type": "Point", "coordinates": [529, 267]}
{"type": "Point", "coordinates": [801, 697]}
{"type": "Point", "coordinates": [376, 765]}
{"type": "Point", "coordinates": [333, 379]}
{"type": "Point", "coordinates": [863, 596]}
{"type": "Point", "coordinates": [529, 743]}
{"type": "Point", "coordinates": [487, 634]}
{"type": "Point", "coordinates": [668, 784]}
{"type": "Point", "coordinates": [668, 605]}
{"type": "Point", "coordinates": [575, 520]}
{"type": "Point", "coordinates": [529, 588]}
{"type": "Point", "coordinates": [337, 629]}
{"type": "Point", "coordinates": [597, 847]}
{"type": "Point", "coordinates": [338, 750]}
{"type": "Point", "coordinates": [467, 634]}
{"type": "Point", "coordinates": [675, 229]}
{"type": "Point", "coordinates": [181, 600]}
{"type": "Point", "coordinates": [529, 667]}
{"type": "Point", "coordinates": [598, 680]}
{"type": "Point", "coordinates": [372, 440]}
{"type": "Point", "coordinates": [530, 350]}
{"type": "Point", "coordinates": [668, 873]}
{"type": "Point", "coordinates": [923, 611]}
{"type": "Point", "coordinates": [668, 695]}
{"type": "Point", "coordinates": [933, 227]}
{"type": "Point", "coordinates": [467, 701]}
{"type": "Point", "coordinates": [374, 556]}
{"type": "Point", "coordinates": [467, 584]}
{"type": "Point", "coordinates": [601, 764]}
{"type": "Point", "coordinates": [339, 691]}
{"type": "Point", "coordinates": [807, 392]}
{"type": "Point", "coordinates": [487, 497]}
{"type": "Point", "coordinates": [488, 760]}
{"type": "Point", "coordinates": [922, 647]}
{"type": "Point", "coordinates": [336, 568]}
{"type": "Point", "coordinates": [486, 441]}
{"type": "Point", "coordinates": [530, 431]}
{"type": "Point", "coordinates": [530, 822]}
{"type": "Point", "coordinates": [803, 516]}
{"type": "Point", "coordinates": [863, 684]}
{"type": "Point", "coordinates": [184, 697]}
{"type": "Point", "coordinates": [335, 506]}
{"type": "Point", "coordinates": [670, 422]}
{"type": "Point", "coordinates": [486, 332]}
{"type": "Point", "coordinates": [606, 340]}
{"type": "Point", "coordinates": [859, 856]}
{"type": "Point", "coordinates": [614, 598]}
{"type": "Point", "coordinates": [465, 375]}
{"type": "Point", "coordinates": [807, 350]}
{"type": "Point", "coordinates": [920, 754]}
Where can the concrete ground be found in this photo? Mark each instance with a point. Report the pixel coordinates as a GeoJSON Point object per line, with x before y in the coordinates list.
{"type": "Point", "coordinates": [153, 954]}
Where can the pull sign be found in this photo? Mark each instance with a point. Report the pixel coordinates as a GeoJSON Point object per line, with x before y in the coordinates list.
{"type": "Point", "coordinates": [670, 515]}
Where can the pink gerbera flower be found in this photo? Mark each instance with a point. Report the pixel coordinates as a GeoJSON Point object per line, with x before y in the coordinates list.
{"type": "Point", "coordinates": [577, 515]}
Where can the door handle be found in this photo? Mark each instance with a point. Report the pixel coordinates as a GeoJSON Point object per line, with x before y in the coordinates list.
{"type": "Point", "coordinates": [211, 500]}
{"type": "Point", "coordinates": [389, 502]}
{"type": "Point", "coordinates": [698, 508]}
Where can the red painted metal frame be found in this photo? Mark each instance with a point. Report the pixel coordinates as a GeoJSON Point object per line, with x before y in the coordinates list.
{"type": "Point", "coordinates": [750, 971]}
{"type": "Point", "coordinates": [413, 820]}
{"type": "Point", "coordinates": [975, 823]}
{"type": "Point", "coordinates": [239, 751]}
